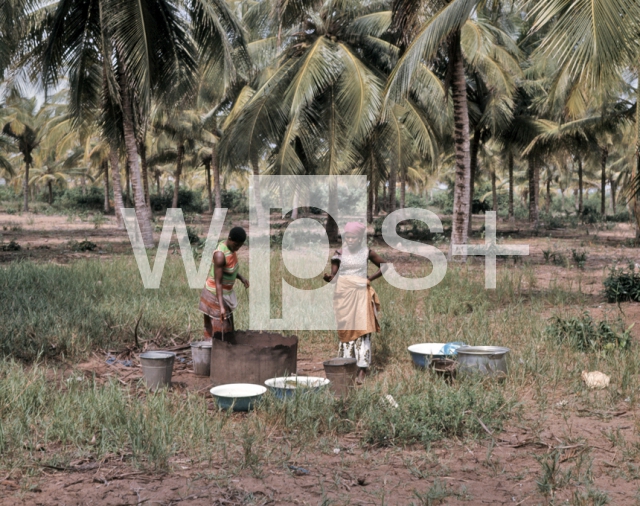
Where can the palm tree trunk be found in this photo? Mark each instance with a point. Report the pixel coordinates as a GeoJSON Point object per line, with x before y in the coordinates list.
{"type": "Point", "coordinates": [393, 179]}
{"type": "Point", "coordinates": [25, 187]}
{"type": "Point", "coordinates": [635, 169]}
{"type": "Point", "coordinates": [548, 204]}
{"type": "Point", "coordinates": [178, 173]}
{"type": "Point", "coordinates": [376, 200]}
{"type": "Point", "coordinates": [257, 194]}
{"type": "Point", "coordinates": [403, 189]}
{"type": "Point", "coordinates": [156, 174]}
{"type": "Point", "coordinates": [296, 200]}
{"type": "Point", "coordinates": [127, 178]}
{"type": "Point", "coordinates": [50, 185]}
{"type": "Point", "coordinates": [216, 176]}
{"type": "Point", "coordinates": [510, 163]}
{"type": "Point", "coordinates": [142, 147]}
{"type": "Point", "coordinates": [207, 175]}
{"type": "Point", "coordinates": [494, 192]}
{"type": "Point", "coordinates": [603, 181]}
{"type": "Point", "coordinates": [460, 221]}
{"type": "Point", "coordinates": [83, 184]}
{"type": "Point", "coordinates": [612, 184]}
{"type": "Point", "coordinates": [370, 201]}
{"type": "Point", "coordinates": [332, 226]}
{"type": "Point", "coordinates": [534, 184]}
{"type": "Point", "coordinates": [384, 196]}
{"type": "Point", "coordinates": [117, 187]}
{"type": "Point", "coordinates": [579, 184]}
{"type": "Point", "coordinates": [142, 210]}
{"type": "Point", "coordinates": [105, 173]}
{"type": "Point", "coordinates": [473, 167]}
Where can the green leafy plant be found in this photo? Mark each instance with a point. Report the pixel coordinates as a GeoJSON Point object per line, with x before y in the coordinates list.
{"type": "Point", "coordinates": [583, 334]}
{"type": "Point", "coordinates": [85, 245]}
{"type": "Point", "coordinates": [579, 257]}
{"type": "Point", "coordinates": [622, 285]}
{"type": "Point", "coordinates": [193, 233]}
{"type": "Point", "coordinates": [11, 246]}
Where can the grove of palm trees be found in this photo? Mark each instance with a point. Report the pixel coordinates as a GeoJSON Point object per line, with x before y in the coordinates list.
{"type": "Point", "coordinates": [526, 108]}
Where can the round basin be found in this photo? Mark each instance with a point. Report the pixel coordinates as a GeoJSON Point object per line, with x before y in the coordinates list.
{"type": "Point", "coordinates": [238, 396]}
{"type": "Point", "coordinates": [286, 386]}
{"type": "Point", "coordinates": [422, 354]}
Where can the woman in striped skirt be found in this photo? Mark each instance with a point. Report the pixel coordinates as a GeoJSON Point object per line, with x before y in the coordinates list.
{"type": "Point", "coordinates": [217, 299]}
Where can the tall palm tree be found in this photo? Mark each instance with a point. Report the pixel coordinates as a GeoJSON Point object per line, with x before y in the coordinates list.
{"type": "Point", "coordinates": [133, 52]}
{"type": "Point", "coordinates": [591, 42]}
{"type": "Point", "coordinates": [443, 30]}
{"type": "Point", "coordinates": [23, 123]}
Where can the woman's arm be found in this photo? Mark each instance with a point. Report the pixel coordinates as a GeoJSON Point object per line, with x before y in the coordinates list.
{"type": "Point", "coordinates": [243, 280]}
{"type": "Point", "coordinates": [219, 262]}
{"type": "Point", "coordinates": [335, 265]}
{"type": "Point", "coordinates": [377, 260]}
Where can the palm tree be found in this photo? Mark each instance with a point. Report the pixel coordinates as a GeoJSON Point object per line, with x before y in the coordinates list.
{"type": "Point", "coordinates": [23, 123]}
{"type": "Point", "coordinates": [443, 30]}
{"type": "Point", "coordinates": [590, 42]}
{"type": "Point", "coordinates": [133, 51]}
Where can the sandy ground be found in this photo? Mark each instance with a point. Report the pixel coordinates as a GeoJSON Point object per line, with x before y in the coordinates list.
{"type": "Point", "coordinates": [501, 469]}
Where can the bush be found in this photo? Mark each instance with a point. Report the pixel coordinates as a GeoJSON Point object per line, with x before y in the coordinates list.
{"type": "Point", "coordinates": [82, 246]}
{"type": "Point", "coordinates": [234, 200]}
{"type": "Point", "coordinates": [11, 246]}
{"type": "Point", "coordinates": [413, 200]}
{"type": "Point", "coordinates": [590, 214]}
{"type": "Point", "coordinates": [621, 217]}
{"type": "Point", "coordinates": [443, 200]}
{"type": "Point", "coordinates": [583, 334]}
{"type": "Point", "coordinates": [73, 198]}
{"type": "Point", "coordinates": [188, 200]}
{"type": "Point", "coordinates": [622, 285]}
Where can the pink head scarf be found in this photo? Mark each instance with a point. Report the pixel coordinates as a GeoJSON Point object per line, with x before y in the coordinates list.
{"type": "Point", "coordinates": [353, 227]}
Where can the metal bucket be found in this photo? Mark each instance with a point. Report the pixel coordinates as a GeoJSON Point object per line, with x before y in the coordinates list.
{"type": "Point", "coordinates": [201, 357]}
{"type": "Point", "coordinates": [157, 367]}
{"type": "Point", "coordinates": [252, 357]}
{"type": "Point", "coordinates": [485, 360]}
{"type": "Point", "coordinates": [342, 373]}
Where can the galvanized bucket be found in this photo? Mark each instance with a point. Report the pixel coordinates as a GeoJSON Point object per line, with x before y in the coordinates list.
{"type": "Point", "coordinates": [157, 367]}
{"type": "Point", "coordinates": [342, 373]}
{"type": "Point", "coordinates": [201, 356]}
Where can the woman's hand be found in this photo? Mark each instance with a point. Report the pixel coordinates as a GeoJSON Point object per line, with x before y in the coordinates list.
{"type": "Point", "coordinates": [328, 278]}
{"type": "Point", "coordinates": [223, 313]}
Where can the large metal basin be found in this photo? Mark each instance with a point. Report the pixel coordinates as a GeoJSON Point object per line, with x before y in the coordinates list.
{"type": "Point", "coordinates": [485, 360]}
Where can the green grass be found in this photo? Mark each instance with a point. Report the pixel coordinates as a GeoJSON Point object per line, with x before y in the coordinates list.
{"type": "Point", "coordinates": [52, 312]}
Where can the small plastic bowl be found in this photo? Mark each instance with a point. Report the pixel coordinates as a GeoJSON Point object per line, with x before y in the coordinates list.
{"type": "Point", "coordinates": [238, 396]}
{"type": "Point", "coordinates": [286, 386]}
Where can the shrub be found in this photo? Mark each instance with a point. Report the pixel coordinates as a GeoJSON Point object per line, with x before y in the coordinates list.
{"type": "Point", "coordinates": [443, 200]}
{"type": "Point", "coordinates": [11, 246]}
{"type": "Point", "coordinates": [188, 200]}
{"type": "Point", "coordinates": [82, 246]}
{"type": "Point", "coordinates": [194, 236]}
{"type": "Point", "coordinates": [583, 334]}
{"type": "Point", "coordinates": [73, 198]}
{"type": "Point", "coordinates": [590, 214]}
{"type": "Point", "coordinates": [621, 217]}
{"type": "Point", "coordinates": [622, 285]}
{"type": "Point", "coordinates": [413, 200]}
{"type": "Point", "coordinates": [234, 200]}
{"type": "Point", "coordinates": [579, 257]}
